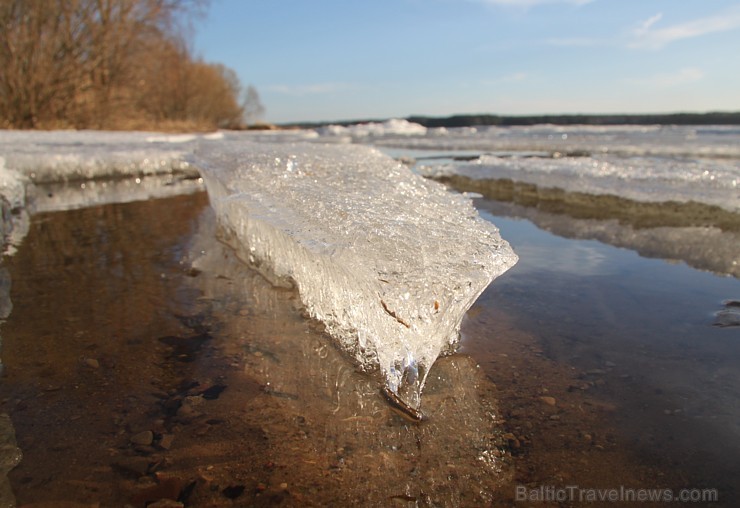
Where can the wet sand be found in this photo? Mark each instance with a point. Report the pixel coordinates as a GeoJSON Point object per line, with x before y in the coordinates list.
{"type": "Point", "coordinates": [144, 362]}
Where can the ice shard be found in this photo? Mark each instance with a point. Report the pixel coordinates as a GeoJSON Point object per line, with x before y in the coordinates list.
{"type": "Point", "coordinates": [388, 261]}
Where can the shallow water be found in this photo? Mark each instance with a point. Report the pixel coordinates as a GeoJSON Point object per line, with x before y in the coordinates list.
{"type": "Point", "coordinates": [642, 334]}
{"type": "Point", "coordinates": [143, 361]}
{"type": "Point", "coordinates": [585, 365]}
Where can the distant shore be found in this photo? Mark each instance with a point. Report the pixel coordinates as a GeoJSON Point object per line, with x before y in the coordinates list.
{"type": "Point", "coordinates": [711, 118]}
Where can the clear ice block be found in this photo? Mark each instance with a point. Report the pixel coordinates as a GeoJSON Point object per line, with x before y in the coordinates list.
{"type": "Point", "coordinates": [388, 261]}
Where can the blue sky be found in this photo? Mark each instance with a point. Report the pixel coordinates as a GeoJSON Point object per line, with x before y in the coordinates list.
{"type": "Point", "coordinates": [318, 60]}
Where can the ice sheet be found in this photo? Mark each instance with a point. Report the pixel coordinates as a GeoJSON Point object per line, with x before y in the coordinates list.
{"type": "Point", "coordinates": [712, 141]}
{"type": "Point", "coordinates": [647, 179]}
{"type": "Point", "coordinates": [643, 163]}
{"type": "Point", "coordinates": [389, 262]}
{"type": "Point", "coordinates": [54, 156]}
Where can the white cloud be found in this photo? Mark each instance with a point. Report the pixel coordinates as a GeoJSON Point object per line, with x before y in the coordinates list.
{"type": "Point", "coordinates": [645, 25]}
{"type": "Point", "coordinates": [666, 80]}
{"type": "Point", "coordinates": [648, 36]}
{"type": "Point", "coordinates": [309, 89]}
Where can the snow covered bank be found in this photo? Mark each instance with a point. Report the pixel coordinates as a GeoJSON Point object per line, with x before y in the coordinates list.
{"type": "Point", "coordinates": [388, 261]}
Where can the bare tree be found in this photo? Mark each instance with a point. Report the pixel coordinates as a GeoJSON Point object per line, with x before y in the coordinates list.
{"type": "Point", "coordinates": [252, 106]}
{"type": "Point", "coordinates": [107, 64]}
{"type": "Point", "coordinates": [213, 94]}
{"type": "Point", "coordinates": [40, 48]}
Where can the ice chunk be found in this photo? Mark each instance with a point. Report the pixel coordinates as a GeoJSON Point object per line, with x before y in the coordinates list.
{"type": "Point", "coordinates": [388, 261]}
{"type": "Point", "coordinates": [394, 126]}
{"type": "Point", "coordinates": [12, 186]}
{"type": "Point", "coordinates": [14, 221]}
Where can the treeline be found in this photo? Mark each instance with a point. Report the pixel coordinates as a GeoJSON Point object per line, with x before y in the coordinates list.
{"type": "Point", "coordinates": [717, 118]}
{"type": "Point", "coordinates": [109, 64]}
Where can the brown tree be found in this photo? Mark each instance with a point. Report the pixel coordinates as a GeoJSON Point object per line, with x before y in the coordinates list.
{"type": "Point", "coordinates": [108, 64]}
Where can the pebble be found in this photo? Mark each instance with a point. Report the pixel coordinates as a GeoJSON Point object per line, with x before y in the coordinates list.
{"type": "Point", "coordinates": [166, 441]}
{"type": "Point", "coordinates": [92, 363]}
{"type": "Point", "coordinates": [512, 440]}
{"type": "Point", "coordinates": [187, 413]}
{"type": "Point", "coordinates": [136, 465]}
{"type": "Point", "coordinates": [143, 438]}
{"type": "Point", "coordinates": [166, 503]}
{"type": "Point", "coordinates": [550, 401]}
{"type": "Point", "coordinates": [145, 449]}
{"type": "Point", "coordinates": [193, 400]}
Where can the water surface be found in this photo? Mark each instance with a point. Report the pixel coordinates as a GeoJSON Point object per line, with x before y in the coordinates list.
{"type": "Point", "coordinates": [143, 361]}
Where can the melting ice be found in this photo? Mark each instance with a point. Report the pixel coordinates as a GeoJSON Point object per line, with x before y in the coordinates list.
{"type": "Point", "coordinates": [389, 262]}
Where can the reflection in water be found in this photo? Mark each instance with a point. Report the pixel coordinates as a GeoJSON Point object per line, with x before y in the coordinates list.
{"type": "Point", "coordinates": [10, 454]}
{"type": "Point", "coordinates": [345, 425]}
{"type": "Point", "coordinates": [705, 237]}
{"type": "Point", "coordinates": [174, 372]}
{"type": "Point", "coordinates": [639, 332]}
{"type": "Point", "coordinates": [52, 197]}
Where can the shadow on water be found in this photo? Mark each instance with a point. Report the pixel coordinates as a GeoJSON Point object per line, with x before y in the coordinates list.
{"type": "Point", "coordinates": [144, 362]}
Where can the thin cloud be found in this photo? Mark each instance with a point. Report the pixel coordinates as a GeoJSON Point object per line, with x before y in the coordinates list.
{"type": "Point", "coordinates": [309, 89]}
{"type": "Point", "coordinates": [667, 80]}
{"type": "Point", "coordinates": [645, 25]}
{"type": "Point", "coordinates": [649, 36]}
